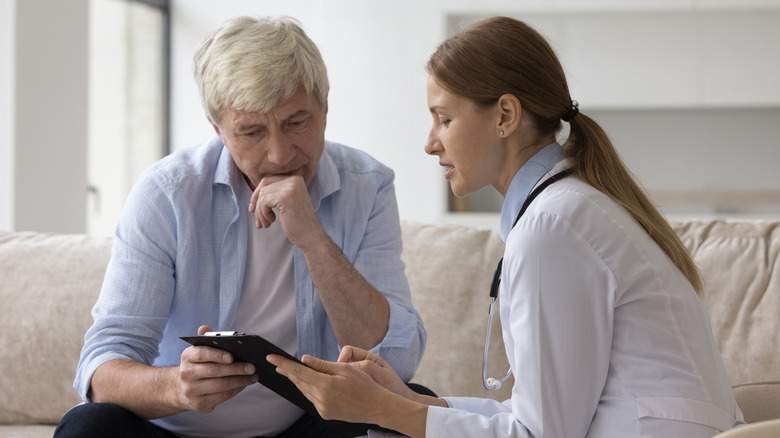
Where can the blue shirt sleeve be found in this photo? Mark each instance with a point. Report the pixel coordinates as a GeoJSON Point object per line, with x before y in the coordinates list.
{"type": "Point", "coordinates": [141, 264]}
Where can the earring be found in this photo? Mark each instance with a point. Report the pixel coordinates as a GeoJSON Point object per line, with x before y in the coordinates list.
{"type": "Point", "coordinates": [501, 132]}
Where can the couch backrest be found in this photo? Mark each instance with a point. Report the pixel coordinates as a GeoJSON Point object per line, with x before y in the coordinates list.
{"type": "Point", "coordinates": [48, 285]}
{"type": "Point", "coordinates": [450, 269]}
{"type": "Point", "coordinates": [740, 264]}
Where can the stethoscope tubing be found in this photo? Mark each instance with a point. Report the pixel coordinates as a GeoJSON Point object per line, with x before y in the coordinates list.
{"type": "Point", "coordinates": [488, 382]}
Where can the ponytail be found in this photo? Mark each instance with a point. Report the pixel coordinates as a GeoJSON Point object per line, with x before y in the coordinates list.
{"type": "Point", "coordinates": [597, 162]}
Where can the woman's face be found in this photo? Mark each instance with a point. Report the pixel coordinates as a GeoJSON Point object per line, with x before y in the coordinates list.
{"type": "Point", "coordinates": [466, 140]}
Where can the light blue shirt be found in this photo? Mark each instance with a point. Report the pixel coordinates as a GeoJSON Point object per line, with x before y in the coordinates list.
{"type": "Point", "coordinates": [524, 181]}
{"type": "Point", "coordinates": [178, 260]}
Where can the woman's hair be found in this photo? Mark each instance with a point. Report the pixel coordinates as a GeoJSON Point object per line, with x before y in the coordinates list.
{"type": "Point", "coordinates": [501, 55]}
{"type": "Point", "coordinates": [252, 64]}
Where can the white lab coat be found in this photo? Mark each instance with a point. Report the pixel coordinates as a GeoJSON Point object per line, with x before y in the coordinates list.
{"type": "Point", "coordinates": [605, 335]}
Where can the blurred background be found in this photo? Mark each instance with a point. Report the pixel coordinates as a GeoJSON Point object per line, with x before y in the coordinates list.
{"type": "Point", "coordinates": [93, 91]}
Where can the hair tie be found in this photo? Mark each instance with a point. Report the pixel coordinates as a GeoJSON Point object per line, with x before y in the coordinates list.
{"type": "Point", "coordinates": [575, 109]}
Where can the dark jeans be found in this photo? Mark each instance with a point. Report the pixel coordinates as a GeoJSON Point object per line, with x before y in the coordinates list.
{"type": "Point", "coordinates": [107, 420]}
{"type": "Point", "coordinates": [104, 419]}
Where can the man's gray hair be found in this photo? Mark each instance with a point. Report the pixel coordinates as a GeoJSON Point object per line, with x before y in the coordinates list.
{"type": "Point", "coordinates": [254, 63]}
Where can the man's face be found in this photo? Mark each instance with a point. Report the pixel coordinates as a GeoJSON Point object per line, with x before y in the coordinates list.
{"type": "Point", "coordinates": [288, 140]}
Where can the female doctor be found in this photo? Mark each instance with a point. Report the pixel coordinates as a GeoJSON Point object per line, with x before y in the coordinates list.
{"type": "Point", "coordinates": [602, 325]}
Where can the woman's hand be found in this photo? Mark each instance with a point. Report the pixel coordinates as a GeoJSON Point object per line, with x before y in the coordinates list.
{"type": "Point", "coordinates": [377, 368]}
{"type": "Point", "coordinates": [360, 388]}
{"type": "Point", "coordinates": [339, 390]}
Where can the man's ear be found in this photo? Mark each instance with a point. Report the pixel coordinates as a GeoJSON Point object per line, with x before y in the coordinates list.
{"type": "Point", "coordinates": [325, 112]}
{"type": "Point", "coordinates": [510, 113]}
{"type": "Point", "coordinates": [216, 128]}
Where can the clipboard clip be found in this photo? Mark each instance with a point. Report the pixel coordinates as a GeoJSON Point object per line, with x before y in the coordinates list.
{"type": "Point", "coordinates": [224, 333]}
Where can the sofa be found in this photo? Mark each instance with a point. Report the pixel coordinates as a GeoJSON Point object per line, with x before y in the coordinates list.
{"type": "Point", "coordinates": [49, 282]}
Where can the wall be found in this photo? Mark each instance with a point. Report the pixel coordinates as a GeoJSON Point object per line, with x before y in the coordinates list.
{"type": "Point", "coordinates": [7, 41]}
{"type": "Point", "coordinates": [376, 52]}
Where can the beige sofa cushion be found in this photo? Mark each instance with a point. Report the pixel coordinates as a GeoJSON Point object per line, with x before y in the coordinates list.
{"type": "Point", "coordinates": [49, 285]}
{"type": "Point", "coordinates": [740, 262]}
{"type": "Point", "coordinates": [27, 431]}
{"type": "Point", "coordinates": [450, 269]}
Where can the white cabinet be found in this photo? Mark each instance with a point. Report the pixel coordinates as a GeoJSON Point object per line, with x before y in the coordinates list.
{"type": "Point", "coordinates": [690, 96]}
{"type": "Point", "coordinates": [665, 58]}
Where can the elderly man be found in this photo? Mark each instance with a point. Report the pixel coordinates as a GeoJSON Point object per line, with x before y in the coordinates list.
{"type": "Point", "coordinates": [267, 229]}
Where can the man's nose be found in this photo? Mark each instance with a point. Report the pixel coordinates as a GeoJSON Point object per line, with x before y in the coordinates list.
{"type": "Point", "coordinates": [280, 149]}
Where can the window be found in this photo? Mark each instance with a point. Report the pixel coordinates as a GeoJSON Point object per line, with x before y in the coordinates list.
{"type": "Point", "coordinates": [128, 102]}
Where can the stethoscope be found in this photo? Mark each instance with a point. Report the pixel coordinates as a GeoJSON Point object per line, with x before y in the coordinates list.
{"type": "Point", "coordinates": [489, 382]}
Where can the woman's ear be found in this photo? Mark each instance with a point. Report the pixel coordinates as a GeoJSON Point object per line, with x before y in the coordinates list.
{"type": "Point", "coordinates": [510, 113]}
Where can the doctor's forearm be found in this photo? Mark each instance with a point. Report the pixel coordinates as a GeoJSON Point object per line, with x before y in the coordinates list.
{"type": "Point", "coordinates": [406, 416]}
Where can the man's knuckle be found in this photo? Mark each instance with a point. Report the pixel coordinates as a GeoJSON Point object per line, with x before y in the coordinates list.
{"type": "Point", "coordinates": [212, 369]}
{"type": "Point", "coordinates": [196, 354]}
{"type": "Point", "coordinates": [188, 391]}
{"type": "Point", "coordinates": [202, 406]}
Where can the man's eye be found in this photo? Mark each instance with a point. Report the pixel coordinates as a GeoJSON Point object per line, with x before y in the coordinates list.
{"type": "Point", "coordinates": [445, 122]}
{"type": "Point", "coordinates": [297, 124]}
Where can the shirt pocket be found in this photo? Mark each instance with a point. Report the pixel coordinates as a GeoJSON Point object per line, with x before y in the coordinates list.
{"type": "Point", "coordinates": [670, 415]}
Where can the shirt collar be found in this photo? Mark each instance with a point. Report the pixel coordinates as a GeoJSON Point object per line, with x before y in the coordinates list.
{"type": "Point", "coordinates": [524, 181]}
{"type": "Point", "coordinates": [227, 172]}
{"type": "Point", "coordinates": [327, 179]}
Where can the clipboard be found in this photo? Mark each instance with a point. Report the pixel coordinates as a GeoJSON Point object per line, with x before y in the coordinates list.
{"type": "Point", "coordinates": [254, 349]}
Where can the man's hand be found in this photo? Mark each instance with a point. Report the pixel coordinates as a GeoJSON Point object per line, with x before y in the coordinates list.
{"type": "Point", "coordinates": [205, 378]}
{"type": "Point", "coordinates": [289, 196]}
{"type": "Point", "coordinates": [208, 376]}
